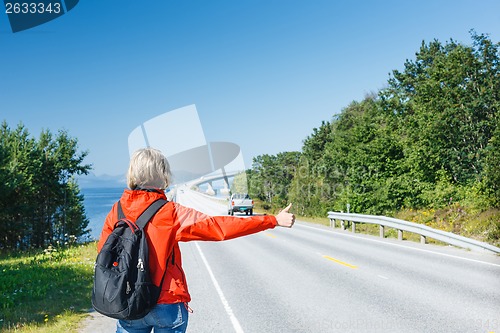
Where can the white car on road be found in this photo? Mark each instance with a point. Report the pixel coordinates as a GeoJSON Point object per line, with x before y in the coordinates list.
{"type": "Point", "coordinates": [240, 202]}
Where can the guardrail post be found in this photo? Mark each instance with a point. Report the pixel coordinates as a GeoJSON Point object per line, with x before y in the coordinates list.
{"type": "Point", "coordinates": [342, 226]}
{"type": "Point", "coordinates": [353, 227]}
{"type": "Point", "coordinates": [423, 239]}
{"type": "Point", "coordinates": [381, 229]}
{"type": "Point", "coordinates": [332, 223]}
{"type": "Point", "coordinates": [400, 234]}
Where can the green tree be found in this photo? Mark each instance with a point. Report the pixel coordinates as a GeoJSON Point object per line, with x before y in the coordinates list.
{"type": "Point", "coordinates": [39, 202]}
{"type": "Point", "coordinates": [309, 187]}
{"type": "Point", "coordinates": [271, 176]}
{"type": "Point", "coordinates": [240, 183]}
{"type": "Point", "coordinates": [17, 172]}
{"type": "Point", "coordinates": [446, 102]}
{"type": "Point", "coordinates": [491, 173]}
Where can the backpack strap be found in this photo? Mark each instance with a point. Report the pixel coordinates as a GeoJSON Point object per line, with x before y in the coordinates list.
{"type": "Point", "coordinates": [120, 211]}
{"type": "Point", "coordinates": [146, 215]}
{"type": "Point", "coordinates": [149, 213]}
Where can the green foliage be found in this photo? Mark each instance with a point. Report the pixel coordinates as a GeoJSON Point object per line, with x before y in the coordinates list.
{"type": "Point", "coordinates": [270, 177]}
{"type": "Point", "coordinates": [240, 183]}
{"type": "Point", "coordinates": [445, 107]}
{"type": "Point", "coordinates": [491, 173]}
{"type": "Point", "coordinates": [39, 201]}
{"type": "Point", "coordinates": [429, 140]}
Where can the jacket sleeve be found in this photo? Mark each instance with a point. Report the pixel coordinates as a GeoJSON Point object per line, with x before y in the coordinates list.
{"type": "Point", "coordinates": [194, 225]}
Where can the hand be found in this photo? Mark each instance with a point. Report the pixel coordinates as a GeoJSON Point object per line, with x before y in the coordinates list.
{"type": "Point", "coordinates": [284, 218]}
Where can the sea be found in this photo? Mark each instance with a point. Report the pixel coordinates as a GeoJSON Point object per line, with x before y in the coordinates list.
{"type": "Point", "coordinates": [98, 203]}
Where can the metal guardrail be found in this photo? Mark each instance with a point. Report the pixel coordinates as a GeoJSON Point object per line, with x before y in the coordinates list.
{"type": "Point", "coordinates": [401, 225]}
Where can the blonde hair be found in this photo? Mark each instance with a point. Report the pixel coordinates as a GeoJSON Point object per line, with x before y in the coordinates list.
{"type": "Point", "coordinates": [148, 168]}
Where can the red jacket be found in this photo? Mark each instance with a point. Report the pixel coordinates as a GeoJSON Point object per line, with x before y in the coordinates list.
{"type": "Point", "coordinates": [175, 223]}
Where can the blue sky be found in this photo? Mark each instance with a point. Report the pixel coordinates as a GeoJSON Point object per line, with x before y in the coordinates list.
{"type": "Point", "coordinates": [262, 74]}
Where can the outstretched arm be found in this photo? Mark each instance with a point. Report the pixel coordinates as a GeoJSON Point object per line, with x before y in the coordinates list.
{"type": "Point", "coordinates": [194, 225]}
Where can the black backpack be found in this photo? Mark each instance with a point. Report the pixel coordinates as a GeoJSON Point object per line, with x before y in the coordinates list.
{"type": "Point", "coordinates": [122, 284]}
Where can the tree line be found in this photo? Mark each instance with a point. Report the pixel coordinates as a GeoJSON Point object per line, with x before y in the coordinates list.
{"type": "Point", "coordinates": [428, 139]}
{"type": "Point", "coordinates": [40, 202]}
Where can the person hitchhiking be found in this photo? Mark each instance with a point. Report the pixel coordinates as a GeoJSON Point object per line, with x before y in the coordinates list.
{"type": "Point", "coordinates": [147, 178]}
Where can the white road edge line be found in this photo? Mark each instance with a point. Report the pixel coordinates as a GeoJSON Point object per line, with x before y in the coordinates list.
{"type": "Point", "coordinates": [403, 246]}
{"type": "Point", "coordinates": [229, 311]}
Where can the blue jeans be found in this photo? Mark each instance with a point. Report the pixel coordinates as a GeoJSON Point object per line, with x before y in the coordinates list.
{"type": "Point", "coordinates": [164, 318]}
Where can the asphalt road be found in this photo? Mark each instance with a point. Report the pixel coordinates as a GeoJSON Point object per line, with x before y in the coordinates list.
{"type": "Point", "coordinates": [314, 279]}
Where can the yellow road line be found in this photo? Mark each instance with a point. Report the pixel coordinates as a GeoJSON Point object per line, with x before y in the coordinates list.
{"type": "Point", "coordinates": [340, 262]}
{"type": "Point", "coordinates": [270, 235]}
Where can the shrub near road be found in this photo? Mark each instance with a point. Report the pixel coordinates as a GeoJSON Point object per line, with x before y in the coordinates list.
{"type": "Point", "coordinates": [48, 291]}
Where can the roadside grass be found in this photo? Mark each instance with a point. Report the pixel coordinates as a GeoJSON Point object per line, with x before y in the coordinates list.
{"type": "Point", "coordinates": [47, 291]}
{"type": "Point", "coordinates": [481, 225]}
